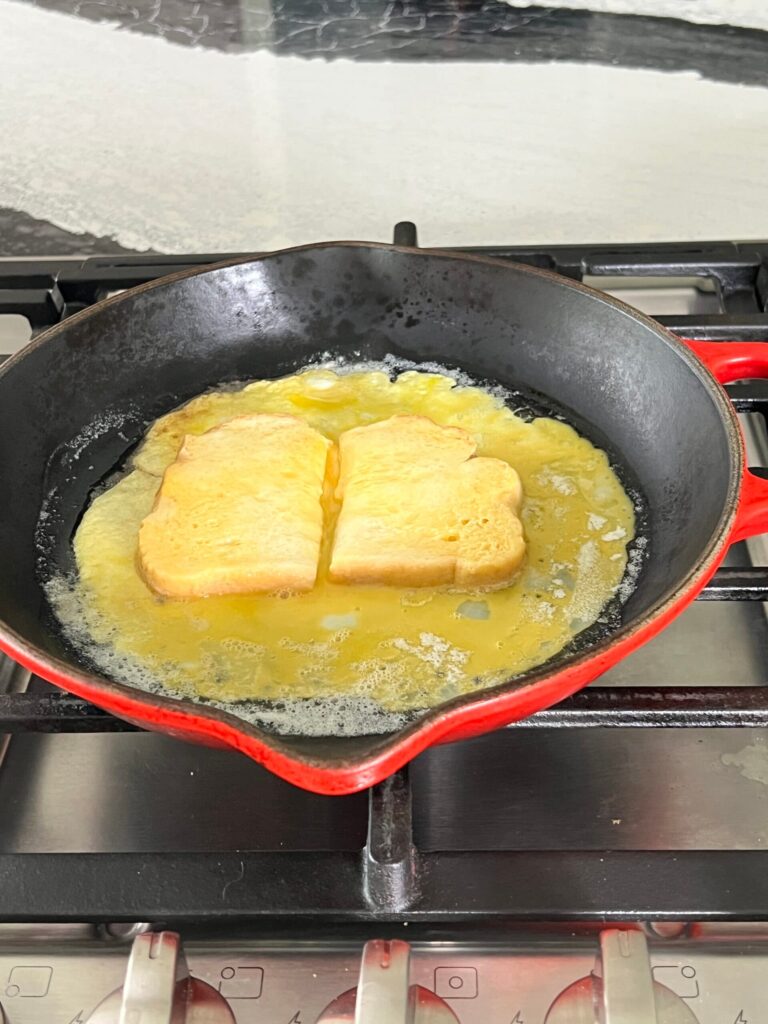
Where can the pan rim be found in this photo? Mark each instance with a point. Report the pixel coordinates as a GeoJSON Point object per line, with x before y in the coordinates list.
{"type": "Point", "coordinates": [431, 724]}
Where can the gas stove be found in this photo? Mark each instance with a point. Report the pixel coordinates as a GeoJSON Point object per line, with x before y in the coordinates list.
{"type": "Point", "coordinates": [613, 848]}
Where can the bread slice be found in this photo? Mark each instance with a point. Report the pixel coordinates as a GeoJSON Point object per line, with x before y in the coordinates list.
{"type": "Point", "coordinates": [239, 511]}
{"type": "Point", "coordinates": [418, 510]}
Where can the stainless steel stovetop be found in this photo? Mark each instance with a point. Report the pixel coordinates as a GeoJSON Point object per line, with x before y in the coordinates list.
{"type": "Point", "coordinates": [633, 789]}
{"type": "Point", "coordinates": [660, 833]}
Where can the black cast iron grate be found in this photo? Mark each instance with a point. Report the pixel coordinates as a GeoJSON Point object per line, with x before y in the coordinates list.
{"type": "Point", "coordinates": [47, 291]}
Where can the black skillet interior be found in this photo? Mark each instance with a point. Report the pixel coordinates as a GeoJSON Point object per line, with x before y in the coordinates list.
{"type": "Point", "coordinates": [76, 401]}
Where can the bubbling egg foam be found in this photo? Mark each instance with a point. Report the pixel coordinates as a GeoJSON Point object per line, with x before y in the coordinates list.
{"type": "Point", "coordinates": [354, 660]}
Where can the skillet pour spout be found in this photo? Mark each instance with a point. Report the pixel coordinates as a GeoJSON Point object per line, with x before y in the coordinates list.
{"type": "Point", "coordinates": [75, 401]}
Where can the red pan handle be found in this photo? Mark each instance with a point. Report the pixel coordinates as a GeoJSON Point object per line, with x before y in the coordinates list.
{"type": "Point", "coordinates": [729, 361]}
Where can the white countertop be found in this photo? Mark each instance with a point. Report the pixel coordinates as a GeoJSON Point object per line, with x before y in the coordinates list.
{"type": "Point", "coordinates": [183, 148]}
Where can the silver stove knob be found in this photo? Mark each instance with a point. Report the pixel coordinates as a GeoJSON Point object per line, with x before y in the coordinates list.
{"type": "Point", "coordinates": [622, 989]}
{"type": "Point", "coordinates": [159, 989]}
{"type": "Point", "coordinates": [384, 994]}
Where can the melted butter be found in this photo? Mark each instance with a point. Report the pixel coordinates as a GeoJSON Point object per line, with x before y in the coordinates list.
{"type": "Point", "coordinates": [402, 648]}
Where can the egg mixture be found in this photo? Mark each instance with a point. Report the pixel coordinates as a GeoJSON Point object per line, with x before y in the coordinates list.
{"type": "Point", "coordinates": [401, 649]}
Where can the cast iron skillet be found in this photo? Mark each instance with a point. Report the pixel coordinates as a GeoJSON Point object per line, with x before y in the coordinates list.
{"type": "Point", "coordinates": [74, 401]}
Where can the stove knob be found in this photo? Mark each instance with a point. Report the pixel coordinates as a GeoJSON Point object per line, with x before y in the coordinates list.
{"type": "Point", "coordinates": [384, 994]}
{"type": "Point", "coordinates": [624, 991]}
{"type": "Point", "coordinates": [159, 989]}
